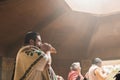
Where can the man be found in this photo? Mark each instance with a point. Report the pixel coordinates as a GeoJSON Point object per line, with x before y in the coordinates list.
{"type": "Point", "coordinates": [96, 72]}
{"type": "Point", "coordinates": [75, 72]}
{"type": "Point", "coordinates": [31, 61]}
{"type": "Point", "coordinates": [117, 76]}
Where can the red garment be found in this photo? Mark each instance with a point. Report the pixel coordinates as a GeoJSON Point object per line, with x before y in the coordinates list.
{"type": "Point", "coordinates": [73, 75]}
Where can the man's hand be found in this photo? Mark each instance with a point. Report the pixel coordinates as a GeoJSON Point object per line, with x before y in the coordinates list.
{"type": "Point", "coordinates": [48, 47]}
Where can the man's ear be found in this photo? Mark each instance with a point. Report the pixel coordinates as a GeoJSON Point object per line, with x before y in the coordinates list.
{"type": "Point", "coordinates": [31, 42]}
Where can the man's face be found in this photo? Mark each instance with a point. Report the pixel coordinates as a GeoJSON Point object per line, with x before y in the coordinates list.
{"type": "Point", "coordinates": [38, 41]}
{"type": "Point", "coordinates": [100, 64]}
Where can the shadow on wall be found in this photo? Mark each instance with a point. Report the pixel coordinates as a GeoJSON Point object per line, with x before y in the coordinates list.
{"type": "Point", "coordinates": [6, 68]}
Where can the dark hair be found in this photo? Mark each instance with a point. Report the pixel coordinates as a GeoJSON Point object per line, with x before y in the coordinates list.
{"type": "Point", "coordinates": [29, 36]}
{"type": "Point", "coordinates": [117, 76]}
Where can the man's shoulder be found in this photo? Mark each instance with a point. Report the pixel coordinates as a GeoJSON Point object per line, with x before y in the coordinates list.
{"type": "Point", "coordinates": [30, 50]}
